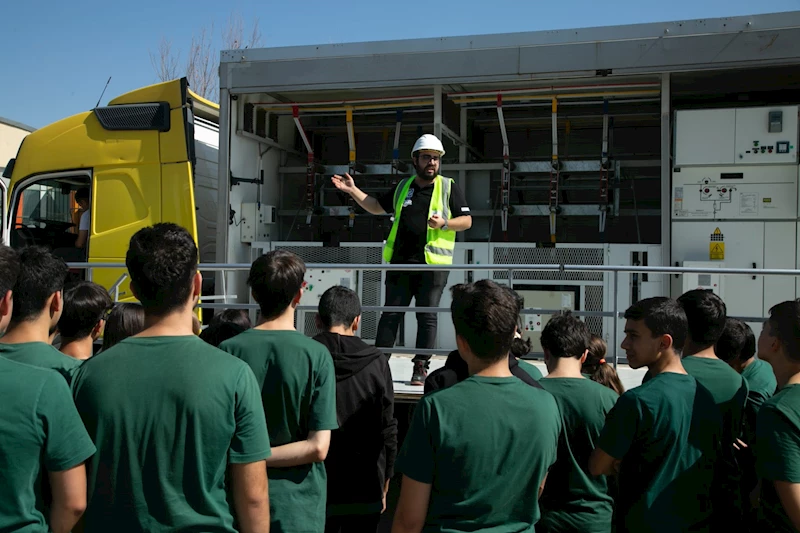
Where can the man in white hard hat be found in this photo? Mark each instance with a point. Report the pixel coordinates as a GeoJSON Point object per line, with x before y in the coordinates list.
{"type": "Point", "coordinates": [428, 210]}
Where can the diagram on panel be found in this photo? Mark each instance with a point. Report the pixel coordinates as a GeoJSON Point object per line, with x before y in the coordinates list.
{"type": "Point", "coordinates": [717, 194]}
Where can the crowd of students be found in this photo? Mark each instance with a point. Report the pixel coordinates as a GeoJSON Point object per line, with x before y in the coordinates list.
{"type": "Point", "coordinates": [260, 428]}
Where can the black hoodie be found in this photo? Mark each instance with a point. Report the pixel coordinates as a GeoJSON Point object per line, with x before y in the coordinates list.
{"type": "Point", "coordinates": [363, 449]}
{"type": "Point", "coordinates": [455, 371]}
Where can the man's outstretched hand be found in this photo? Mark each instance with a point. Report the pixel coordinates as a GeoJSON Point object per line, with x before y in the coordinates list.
{"type": "Point", "coordinates": [344, 183]}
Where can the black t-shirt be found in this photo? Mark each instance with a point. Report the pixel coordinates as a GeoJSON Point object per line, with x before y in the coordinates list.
{"type": "Point", "coordinates": [412, 233]}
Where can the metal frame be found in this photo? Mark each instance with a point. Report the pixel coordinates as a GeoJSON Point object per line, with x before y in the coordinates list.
{"type": "Point", "coordinates": [615, 271]}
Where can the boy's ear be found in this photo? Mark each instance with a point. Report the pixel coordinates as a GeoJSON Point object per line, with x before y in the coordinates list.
{"type": "Point", "coordinates": [98, 329]}
{"type": "Point", "coordinates": [584, 356]}
{"type": "Point", "coordinates": [356, 323]}
{"type": "Point", "coordinates": [297, 298]}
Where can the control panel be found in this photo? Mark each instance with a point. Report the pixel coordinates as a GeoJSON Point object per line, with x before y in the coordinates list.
{"type": "Point", "coordinates": [741, 136]}
{"type": "Point", "coordinates": [766, 135]}
{"type": "Point", "coordinates": [543, 298]}
{"type": "Point", "coordinates": [714, 193]}
{"type": "Point", "coordinates": [318, 280]}
{"type": "Point", "coordinates": [257, 222]}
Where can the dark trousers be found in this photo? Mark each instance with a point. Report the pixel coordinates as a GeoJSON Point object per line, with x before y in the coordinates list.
{"type": "Point", "coordinates": [353, 523]}
{"type": "Point", "coordinates": [426, 288]}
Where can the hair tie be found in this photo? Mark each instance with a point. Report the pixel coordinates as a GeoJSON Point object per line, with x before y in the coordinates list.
{"type": "Point", "coordinates": [602, 361]}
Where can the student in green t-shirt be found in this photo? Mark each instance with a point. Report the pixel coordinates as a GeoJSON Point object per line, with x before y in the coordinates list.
{"type": "Point", "coordinates": [778, 428]}
{"type": "Point", "coordinates": [737, 347]}
{"type": "Point", "coordinates": [176, 421]}
{"type": "Point", "coordinates": [574, 500]}
{"type": "Point", "coordinates": [38, 304]}
{"type": "Point", "coordinates": [663, 437]}
{"type": "Point", "coordinates": [39, 430]}
{"type": "Point", "coordinates": [707, 314]}
{"type": "Point", "coordinates": [86, 306]}
{"type": "Point", "coordinates": [477, 453]}
{"type": "Point", "coordinates": [298, 390]}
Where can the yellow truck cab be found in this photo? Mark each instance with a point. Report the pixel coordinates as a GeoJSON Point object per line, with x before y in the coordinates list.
{"type": "Point", "coordinates": [146, 157]}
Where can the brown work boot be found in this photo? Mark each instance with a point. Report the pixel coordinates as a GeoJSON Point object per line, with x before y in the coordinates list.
{"type": "Point", "coordinates": [419, 374]}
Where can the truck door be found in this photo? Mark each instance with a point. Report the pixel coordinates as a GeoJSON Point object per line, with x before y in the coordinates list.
{"type": "Point", "coordinates": [156, 188]}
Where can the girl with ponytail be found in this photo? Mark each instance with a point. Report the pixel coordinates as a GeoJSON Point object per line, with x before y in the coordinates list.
{"type": "Point", "coordinates": [597, 368]}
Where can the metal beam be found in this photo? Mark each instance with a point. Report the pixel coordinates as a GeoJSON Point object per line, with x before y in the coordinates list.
{"type": "Point", "coordinates": [223, 179]}
{"type": "Point", "coordinates": [520, 167]}
{"type": "Point", "coordinates": [666, 179]}
{"type": "Point", "coordinates": [437, 111]}
{"type": "Point", "coordinates": [518, 211]}
{"type": "Point", "coordinates": [268, 142]}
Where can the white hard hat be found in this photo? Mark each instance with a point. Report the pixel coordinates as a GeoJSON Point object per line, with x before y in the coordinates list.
{"type": "Point", "coordinates": [428, 142]}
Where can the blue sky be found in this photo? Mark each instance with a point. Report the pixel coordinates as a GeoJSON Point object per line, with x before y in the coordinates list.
{"type": "Point", "coordinates": [56, 55]}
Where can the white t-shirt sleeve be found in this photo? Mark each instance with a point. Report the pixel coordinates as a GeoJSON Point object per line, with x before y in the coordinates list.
{"type": "Point", "coordinates": [84, 223]}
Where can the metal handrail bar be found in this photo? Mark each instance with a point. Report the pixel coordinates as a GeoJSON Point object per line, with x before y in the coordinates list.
{"type": "Point", "coordinates": [220, 267]}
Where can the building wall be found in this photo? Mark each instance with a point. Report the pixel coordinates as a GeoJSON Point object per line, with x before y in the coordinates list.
{"type": "Point", "coordinates": [11, 135]}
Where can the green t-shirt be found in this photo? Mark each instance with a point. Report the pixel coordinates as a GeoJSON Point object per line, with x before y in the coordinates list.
{"type": "Point", "coordinates": [169, 414]}
{"type": "Point", "coordinates": [42, 355]}
{"type": "Point", "coordinates": [666, 432]}
{"type": "Point", "coordinates": [761, 384]}
{"type": "Point", "coordinates": [728, 389]}
{"type": "Point", "coordinates": [532, 370]}
{"type": "Point", "coordinates": [39, 429]}
{"type": "Point", "coordinates": [573, 499]}
{"type": "Point", "coordinates": [778, 453]}
{"type": "Point", "coordinates": [484, 445]}
{"type": "Point", "coordinates": [298, 389]}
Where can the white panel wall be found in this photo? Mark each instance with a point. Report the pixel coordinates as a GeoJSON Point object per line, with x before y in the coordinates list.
{"type": "Point", "coordinates": [705, 137]}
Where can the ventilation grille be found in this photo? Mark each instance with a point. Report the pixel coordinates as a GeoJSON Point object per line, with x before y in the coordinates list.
{"type": "Point", "coordinates": [548, 256]}
{"type": "Point", "coordinates": [593, 296]}
{"type": "Point", "coordinates": [130, 117]}
{"type": "Point", "coordinates": [370, 280]}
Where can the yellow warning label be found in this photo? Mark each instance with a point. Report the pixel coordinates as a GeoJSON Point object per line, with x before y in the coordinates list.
{"type": "Point", "coordinates": [716, 246]}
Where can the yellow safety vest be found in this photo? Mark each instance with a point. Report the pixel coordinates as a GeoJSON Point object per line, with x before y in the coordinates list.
{"type": "Point", "coordinates": [440, 243]}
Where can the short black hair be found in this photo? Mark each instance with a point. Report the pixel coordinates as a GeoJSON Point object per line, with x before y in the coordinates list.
{"type": "Point", "coordinates": [784, 325]}
{"type": "Point", "coordinates": [737, 341]}
{"type": "Point", "coordinates": [216, 334]}
{"type": "Point", "coordinates": [125, 320]}
{"type": "Point", "coordinates": [41, 274]}
{"type": "Point", "coordinates": [238, 317]}
{"type": "Point", "coordinates": [162, 262]}
{"type": "Point", "coordinates": [274, 279]}
{"type": "Point", "coordinates": [85, 305]}
{"type": "Point", "coordinates": [662, 316]}
{"type": "Point", "coordinates": [706, 314]}
{"type": "Point", "coordinates": [339, 306]}
{"type": "Point", "coordinates": [565, 335]}
{"type": "Point", "coordinates": [485, 316]}
{"type": "Point", "coordinates": [82, 194]}
{"type": "Point", "coordinates": [9, 269]}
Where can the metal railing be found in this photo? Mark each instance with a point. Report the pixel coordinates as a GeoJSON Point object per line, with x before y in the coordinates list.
{"type": "Point", "coordinates": [615, 271]}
